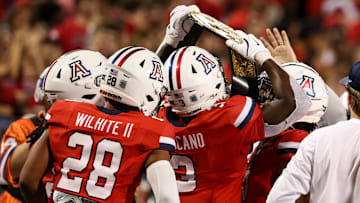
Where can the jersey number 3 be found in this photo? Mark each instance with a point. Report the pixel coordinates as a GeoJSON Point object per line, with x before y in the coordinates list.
{"type": "Point", "coordinates": [107, 173]}
{"type": "Point", "coordinates": [185, 171]}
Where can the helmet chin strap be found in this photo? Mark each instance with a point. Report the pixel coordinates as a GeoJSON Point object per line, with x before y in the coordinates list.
{"type": "Point", "coordinates": [162, 94]}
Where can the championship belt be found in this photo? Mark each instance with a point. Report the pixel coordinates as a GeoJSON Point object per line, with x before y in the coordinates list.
{"type": "Point", "coordinates": [240, 65]}
{"type": "Point", "coordinates": [244, 80]}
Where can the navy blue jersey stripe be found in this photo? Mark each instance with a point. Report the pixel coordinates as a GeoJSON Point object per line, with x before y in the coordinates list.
{"type": "Point", "coordinates": [125, 49]}
{"type": "Point", "coordinates": [170, 71]}
{"type": "Point", "coordinates": [167, 147]}
{"type": "Point", "coordinates": [110, 111]}
{"type": "Point", "coordinates": [248, 117]}
{"type": "Point", "coordinates": [287, 151]}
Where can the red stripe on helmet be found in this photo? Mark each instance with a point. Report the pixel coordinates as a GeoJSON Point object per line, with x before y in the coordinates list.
{"type": "Point", "coordinates": [128, 55]}
{"type": "Point", "coordinates": [178, 67]}
{"type": "Point", "coordinates": [52, 65]}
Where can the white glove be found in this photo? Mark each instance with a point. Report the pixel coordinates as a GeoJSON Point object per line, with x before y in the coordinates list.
{"type": "Point", "coordinates": [180, 24]}
{"type": "Point", "coordinates": [252, 48]}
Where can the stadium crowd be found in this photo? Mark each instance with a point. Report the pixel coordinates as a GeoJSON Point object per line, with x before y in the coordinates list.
{"type": "Point", "coordinates": [324, 34]}
{"type": "Point", "coordinates": [34, 33]}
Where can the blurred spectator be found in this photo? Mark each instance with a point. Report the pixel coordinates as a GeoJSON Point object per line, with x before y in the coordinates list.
{"type": "Point", "coordinates": [108, 38]}
{"type": "Point", "coordinates": [74, 31]}
{"type": "Point", "coordinates": [33, 33]}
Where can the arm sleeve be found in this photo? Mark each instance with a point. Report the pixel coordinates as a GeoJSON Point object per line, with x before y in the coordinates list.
{"type": "Point", "coordinates": [303, 103]}
{"type": "Point", "coordinates": [162, 179]}
{"type": "Point", "coordinates": [296, 177]}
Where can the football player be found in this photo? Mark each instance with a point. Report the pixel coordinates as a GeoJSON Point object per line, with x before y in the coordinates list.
{"type": "Point", "coordinates": [272, 155]}
{"type": "Point", "coordinates": [14, 149]}
{"type": "Point", "coordinates": [100, 153]}
{"type": "Point", "coordinates": [214, 134]}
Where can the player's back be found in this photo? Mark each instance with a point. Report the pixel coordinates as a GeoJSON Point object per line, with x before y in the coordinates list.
{"type": "Point", "coordinates": [268, 161]}
{"type": "Point", "coordinates": [99, 153]}
{"type": "Point", "coordinates": [211, 149]}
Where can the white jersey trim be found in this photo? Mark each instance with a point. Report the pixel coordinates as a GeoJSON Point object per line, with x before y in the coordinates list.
{"type": "Point", "coordinates": [285, 145]}
{"type": "Point", "coordinates": [244, 112]}
{"type": "Point", "coordinates": [3, 160]}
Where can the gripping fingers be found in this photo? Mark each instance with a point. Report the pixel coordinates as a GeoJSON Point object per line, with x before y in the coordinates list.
{"type": "Point", "coordinates": [193, 8]}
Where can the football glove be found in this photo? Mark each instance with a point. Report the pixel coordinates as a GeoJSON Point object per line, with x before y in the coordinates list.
{"type": "Point", "coordinates": [180, 24]}
{"type": "Point", "coordinates": [251, 48]}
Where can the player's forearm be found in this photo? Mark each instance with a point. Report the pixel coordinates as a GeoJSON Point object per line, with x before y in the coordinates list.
{"type": "Point", "coordinates": [285, 103]}
{"type": "Point", "coordinates": [161, 177]}
{"type": "Point", "coordinates": [18, 159]}
{"type": "Point", "coordinates": [33, 194]}
{"type": "Point", "coordinates": [33, 171]}
{"type": "Point", "coordinates": [164, 50]}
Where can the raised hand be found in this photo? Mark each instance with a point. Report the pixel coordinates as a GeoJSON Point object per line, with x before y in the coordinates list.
{"type": "Point", "coordinates": [279, 46]}
{"type": "Point", "coordinates": [251, 48]}
{"type": "Point", "coordinates": [180, 24]}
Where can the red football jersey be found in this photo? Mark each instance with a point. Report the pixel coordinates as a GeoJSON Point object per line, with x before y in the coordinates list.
{"type": "Point", "coordinates": [267, 163]}
{"type": "Point", "coordinates": [211, 149]}
{"type": "Point", "coordinates": [99, 153]}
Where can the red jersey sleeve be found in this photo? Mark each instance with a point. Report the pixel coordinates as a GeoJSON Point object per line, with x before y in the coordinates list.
{"type": "Point", "coordinates": [289, 142]}
{"type": "Point", "coordinates": [62, 109]}
{"type": "Point", "coordinates": [248, 118]}
{"type": "Point", "coordinates": [160, 131]}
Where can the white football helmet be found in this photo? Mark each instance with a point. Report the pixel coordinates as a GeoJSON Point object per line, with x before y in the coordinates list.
{"type": "Point", "coordinates": [76, 76]}
{"type": "Point", "coordinates": [313, 85]}
{"type": "Point", "coordinates": [134, 76]}
{"type": "Point", "coordinates": [62, 197]}
{"type": "Point", "coordinates": [39, 89]}
{"type": "Point", "coordinates": [195, 80]}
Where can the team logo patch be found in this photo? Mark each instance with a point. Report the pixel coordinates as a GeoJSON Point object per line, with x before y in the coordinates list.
{"type": "Point", "coordinates": [78, 71]}
{"type": "Point", "coordinates": [156, 73]}
{"type": "Point", "coordinates": [307, 84]}
{"type": "Point", "coordinates": [206, 62]}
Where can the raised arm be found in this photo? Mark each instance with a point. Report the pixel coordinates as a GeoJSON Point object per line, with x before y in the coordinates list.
{"type": "Point", "coordinates": [34, 169]}
{"type": "Point", "coordinates": [291, 102]}
{"type": "Point", "coordinates": [180, 24]}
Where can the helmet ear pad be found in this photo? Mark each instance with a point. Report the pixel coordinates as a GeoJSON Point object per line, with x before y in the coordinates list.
{"type": "Point", "coordinates": [134, 77]}
{"type": "Point", "coordinates": [195, 79]}
{"type": "Point", "coordinates": [76, 76]}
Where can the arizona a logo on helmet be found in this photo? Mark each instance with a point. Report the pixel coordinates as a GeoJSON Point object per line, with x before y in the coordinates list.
{"type": "Point", "coordinates": [78, 71]}
{"type": "Point", "coordinates": [307, 84]}
{"type": "Point", "coordinates": [156, 73]}
{"type": "Point", "coordinates": [206, 62]}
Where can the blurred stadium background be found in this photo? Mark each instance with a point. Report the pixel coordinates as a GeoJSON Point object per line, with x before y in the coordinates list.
{"type": "Point", "coordinates": [33, 33]}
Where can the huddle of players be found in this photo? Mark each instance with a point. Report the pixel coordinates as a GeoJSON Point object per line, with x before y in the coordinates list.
{"type": "Point", "coordinates": [94, 154]}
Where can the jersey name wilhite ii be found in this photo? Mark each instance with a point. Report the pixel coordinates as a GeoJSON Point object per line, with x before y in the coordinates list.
{"type": "Point", "coordinates": [99, 153]}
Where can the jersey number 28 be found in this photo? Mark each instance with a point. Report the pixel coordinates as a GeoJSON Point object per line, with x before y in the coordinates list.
{"type": "Point", "coordinates": [99, 169]}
